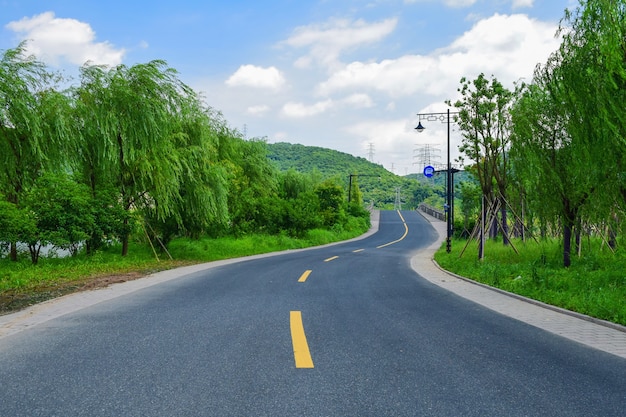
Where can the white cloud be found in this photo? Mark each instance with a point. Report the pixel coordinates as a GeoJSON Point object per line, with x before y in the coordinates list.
{"type": "Point", "coordinates": [386, 135]}
{"type": "Point", "coordinates": [258, 110]}
{"type": "Point", "coordinates": [514, 52]}
{"type": "Point", "coordinates": [327, 41]}
{"type": "Point", "coordinates": [358, 101]}
{"type": "Point", "coordinates": [54, 39]}
{"type": "Point", "coordinates": [353, 101]}
{"type": "Point", "coordinates": [259, 77]}
{"type": "Point", "coordinates": [292, 109]}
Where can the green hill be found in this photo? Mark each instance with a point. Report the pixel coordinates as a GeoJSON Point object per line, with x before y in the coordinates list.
{"type": "Point", "coordinates": [376, 183]}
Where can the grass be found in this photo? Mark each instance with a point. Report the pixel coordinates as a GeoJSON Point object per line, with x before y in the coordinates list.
{"type": "Point", "coordinates": [23, 284]}
{"type": "Point", "coordinates": [595, 283]}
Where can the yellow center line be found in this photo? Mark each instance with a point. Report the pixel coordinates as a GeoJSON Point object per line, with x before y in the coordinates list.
{"type": "Point", "coordinates": [300, 347]}
{"type": "Point", "coordinates": [406, 232]}
{"type": "Point", "coordinates": [305, 275]}
{"type": "Point", "coordinates": [331, 259]}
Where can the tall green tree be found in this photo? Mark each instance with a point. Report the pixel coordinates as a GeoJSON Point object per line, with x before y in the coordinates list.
{"type": "Point", "coordinates": [203, 186]}
{"type": "Point", "coordinates": [332, 202]}
{"type": "Point", "coordinates": [62, 211]}
{"type": "Point", "coordinates": [128, 118]}
{"type": "Point", "coordinates": [484, 121]}
{"type": "Point", "coordinates": [570, 124]}
{"type": "Point", "coordinates": [593, 72]}
{"type": "Point", "coordinates": [33, 123]}
{"type": "Point", "coordinates": [252, 182]}
{"type": "Point", "coordinates": [554, 166]}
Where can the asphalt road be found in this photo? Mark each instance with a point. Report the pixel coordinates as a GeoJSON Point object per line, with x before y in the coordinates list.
{"type": "Point", "coordinates": [345, 330]}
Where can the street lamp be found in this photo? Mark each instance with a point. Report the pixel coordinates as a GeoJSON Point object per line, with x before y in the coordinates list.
{"type": "Point", "coordinates": [443, 118]}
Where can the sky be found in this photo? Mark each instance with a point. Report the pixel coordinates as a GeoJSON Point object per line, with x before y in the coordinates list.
{"type": "Point", "coordinates": [349, 75]}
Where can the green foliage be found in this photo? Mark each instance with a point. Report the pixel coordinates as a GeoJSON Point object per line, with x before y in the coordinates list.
{"type": "Point", "coordinates": [569, 125]}
{"type": "Point", "coordinates": [132, 152]}
{"type": "Point", "coordinates": [331, 197]}
{"type": "Point", "coordinates": [470, 207]}
{"type": "Point", "coordinates": [375, 184]}
{"type": "Point", "coordinates": [593, 285]}
{"type": "Point", "coordinates": [62, 212]}
{"type": "Point", "coordinates": [16, 225]}
{"type": "Point", "coordinates": [130, 115]}
{"type": "Point", "coordinates": [32, 123]}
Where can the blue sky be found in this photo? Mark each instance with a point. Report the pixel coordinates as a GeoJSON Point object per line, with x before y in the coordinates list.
{"type": "Point", "coordinates": [348, 75]}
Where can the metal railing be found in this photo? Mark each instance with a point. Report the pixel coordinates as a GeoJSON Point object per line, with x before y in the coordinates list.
{"type": "Point", "coordinates": [431, 211]}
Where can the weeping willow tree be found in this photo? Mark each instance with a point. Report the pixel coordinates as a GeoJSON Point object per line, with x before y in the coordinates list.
{"type": "Point", "coordinates": [135, 127]}
{"type": "Point", "coordinates": [570, 124]}
{"type": "Point", "coordinates": [33, 124]}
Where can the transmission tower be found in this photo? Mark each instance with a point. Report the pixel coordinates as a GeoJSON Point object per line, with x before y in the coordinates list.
{"type": "Point", "coordinates": [397, 205]}
{"type": "Point", "coordinates": [370, 152]}
{"type": "Point", "coordinates": [427, 154]}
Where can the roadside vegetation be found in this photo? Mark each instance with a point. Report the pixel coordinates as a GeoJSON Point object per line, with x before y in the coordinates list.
{"type": "Point", "coordinates": [594, 284]}
{"type": "Point", "coordinates": [548, 158]}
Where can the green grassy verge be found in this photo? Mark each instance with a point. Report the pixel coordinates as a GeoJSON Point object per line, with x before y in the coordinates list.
{"type": "Point", "coordinates": [594, 285]}
{"type": "Point", "coordinates": [23, 284]}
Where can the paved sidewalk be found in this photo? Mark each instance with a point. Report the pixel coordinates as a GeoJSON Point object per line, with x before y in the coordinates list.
{"type": "Point", "coordinates": [598, 334]}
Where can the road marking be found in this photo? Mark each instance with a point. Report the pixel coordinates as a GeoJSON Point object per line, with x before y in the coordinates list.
{"type": "Point", "coordinates": [331, 259]}
{"type": "Point", "coordinates": [358, 250]}
{"type": "Point", "coordinates": [406, 232]}
{"type": "Point", "coordinates": [305, 275]}
{"type": "Point", "coordinates": [301, 351]}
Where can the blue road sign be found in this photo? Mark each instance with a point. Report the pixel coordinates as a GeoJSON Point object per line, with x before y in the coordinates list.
{"type": "Point", "coordinates": [429, 171]}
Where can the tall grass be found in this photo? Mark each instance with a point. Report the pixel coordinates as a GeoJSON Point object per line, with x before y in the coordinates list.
{"type": "Point", "coordinates": [595, 283]}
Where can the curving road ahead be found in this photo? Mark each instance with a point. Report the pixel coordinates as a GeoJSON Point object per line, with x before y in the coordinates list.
{"type": "Point", "coordinates": [343, 330]}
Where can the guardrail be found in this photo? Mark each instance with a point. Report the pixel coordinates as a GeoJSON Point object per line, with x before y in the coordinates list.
{"type": "Point", "coordinates": [431, 211]}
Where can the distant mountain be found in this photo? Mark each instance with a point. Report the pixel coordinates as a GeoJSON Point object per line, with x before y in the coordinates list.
{"type": "Point", "coordinates": [328, 162]}
{"type": "Point", "coordinates": [376, 183]}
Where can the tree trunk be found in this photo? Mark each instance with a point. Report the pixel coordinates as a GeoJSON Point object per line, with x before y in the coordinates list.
{"type": "Point", "coordinates": [567, 244]}
{"type": "Point", "coordinates": [569, 220]}
{"type": "Point", "coordinates": [483, 219]}
{"type": "Point", "coordinates": [13, 252]}
{"type": "Point", "coordinates": [613, 232]}
{"type": "Point", "coordinates": [125, 238]}
{"type": "Point", "coordinates": [505, 225]}
{"type": "Point", "coordinates": [34, 253]}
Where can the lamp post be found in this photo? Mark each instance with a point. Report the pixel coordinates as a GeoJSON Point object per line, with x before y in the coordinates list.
{"type": "Point", "coordinates": [443, 118]}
